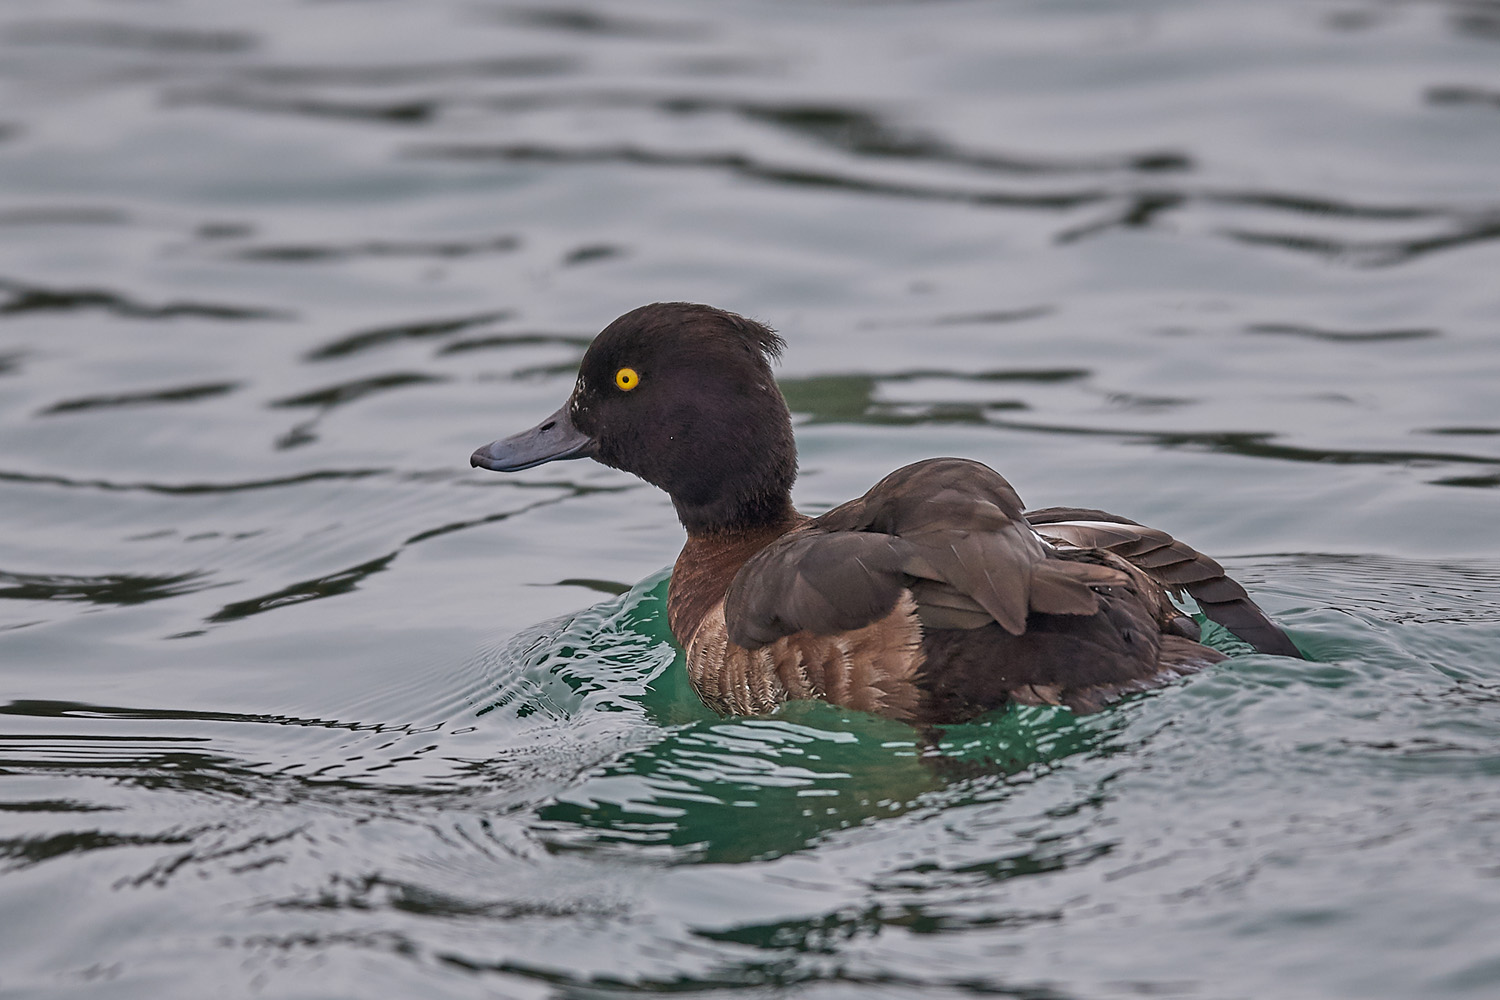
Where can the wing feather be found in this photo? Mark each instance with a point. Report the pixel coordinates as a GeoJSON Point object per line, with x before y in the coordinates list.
{"type": "Point", "coordinates": [1172, 563]}
{"type": "Point", "coordinates": [953, 534]}
{"type": "Point", "coordinates": [950, 531]}
{"type": "Point", "coordinates": [814, 581]}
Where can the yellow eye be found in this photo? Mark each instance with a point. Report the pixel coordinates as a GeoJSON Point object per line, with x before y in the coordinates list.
{"type": "Point", "coordinates": [627, 379]}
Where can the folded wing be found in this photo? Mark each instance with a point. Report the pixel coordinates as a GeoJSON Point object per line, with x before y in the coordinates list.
{"type": "Point", "coordinates": [949, 531]}
{"type": "Point", "coordinates": [1173, 564]}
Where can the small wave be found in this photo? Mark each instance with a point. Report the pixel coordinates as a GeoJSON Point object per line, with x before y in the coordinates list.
{"type": "Point", "coordinates": [592, 252]}
{"type": "Point", "coordinates": [177, 394]}
{"type": "Point", "coordinates": [987, 318]}
{"type": "Point", "coordinates": [117, 35]}
{"type": "Point", "coordinates": [328, 585]}
{"type": "Point", "coordinates": [861, 131]}
{"type": "Point", "coordinates": [298, 253]}
{"type": "Point", "coordinates": [1462, 232]}
{"type": "Point", "coordinates": [119, 589]}
{"type": "Point", "coordinates": [504, 340]}
{"type": "Point", "coordinates": [402, 74]}
{"type": "Point", "coordinates": [25, 297]}
{"type": "Point", "coordinates": [342, 393]}
{"type": "Point", "coordinates": [188, 489]}
{"type": "Point", "coordinates": [1341, 336]}
{"type": "Point", "coordinates": [364, 340]}
{"type": "Point", "coordinates": [1464, 95]}
{"type": "Point", "coordinates": [406, 112]}
{"type": "Point", "coordinates": [1252, 444]}
{"type": "Point", "coordinates": [582, 21]}
{"type": "Point", "coordinates": [745, 165]}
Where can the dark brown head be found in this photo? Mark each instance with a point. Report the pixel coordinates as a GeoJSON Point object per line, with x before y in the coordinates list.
{"type": "Point", "coordinates": [682, 396]}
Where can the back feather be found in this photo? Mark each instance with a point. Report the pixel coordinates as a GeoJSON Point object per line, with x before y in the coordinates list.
{"type": "Point", "coordinates": [949, 530]}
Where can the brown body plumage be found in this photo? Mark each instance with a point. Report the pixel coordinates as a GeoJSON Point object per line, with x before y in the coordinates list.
{"type": "Point", "coordinates": [932, 598]}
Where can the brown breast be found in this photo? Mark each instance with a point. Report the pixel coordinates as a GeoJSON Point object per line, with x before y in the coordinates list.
{"type": "Point", "coordinates": [704, 568]}
{"type": "Point", "coordinates": [871, 669]}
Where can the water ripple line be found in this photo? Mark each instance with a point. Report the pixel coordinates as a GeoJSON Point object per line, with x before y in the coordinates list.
{"type": "Point", "coordinates": [745, 165]}
{"type": "Point", "coordinates": [120, 589]}
{"type": "Point", "coordinates": [177, 394]}
{"type": "Point", "coordinates": [190, 489]}
{"type": "Point", "coordinates": [26, 297]}
{"type": "Point", "coordinates": [363, 340]}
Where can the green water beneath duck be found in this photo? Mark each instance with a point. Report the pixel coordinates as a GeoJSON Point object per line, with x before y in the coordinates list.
{"type": "Point", "coordinates": [294, 703]}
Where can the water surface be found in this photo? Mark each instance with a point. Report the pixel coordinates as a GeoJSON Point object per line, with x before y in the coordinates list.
{"type": "Point", "coordinates": [297, 704]}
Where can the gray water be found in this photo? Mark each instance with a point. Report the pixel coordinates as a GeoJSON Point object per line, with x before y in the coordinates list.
{"type": "Point", "coordinates": [294, 703]}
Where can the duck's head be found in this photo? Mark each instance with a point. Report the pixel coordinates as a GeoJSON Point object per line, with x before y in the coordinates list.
{"type": "Point", "coordinates": [682, 396]}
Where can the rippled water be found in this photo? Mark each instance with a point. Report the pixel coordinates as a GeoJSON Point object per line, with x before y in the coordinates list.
{"type": "Point", "coordinates": [296, 704]}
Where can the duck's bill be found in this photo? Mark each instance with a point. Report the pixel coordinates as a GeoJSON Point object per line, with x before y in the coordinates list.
{"type": "Point", "coordinates": [549, 441]}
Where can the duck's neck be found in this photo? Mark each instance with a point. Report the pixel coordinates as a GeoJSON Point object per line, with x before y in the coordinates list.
{"type": "Point", "coordinates": [708, 562]}
{"type": "Point", "coordinates": [729, 463]}
{"type": "Point", "coordinates": [735, 513]}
